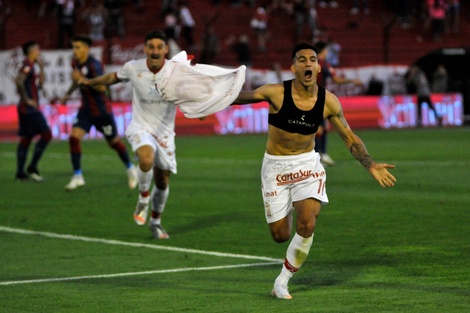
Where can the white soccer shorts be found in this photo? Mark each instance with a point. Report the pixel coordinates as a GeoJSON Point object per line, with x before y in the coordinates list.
{"type": "Point", "coordinates": [286, 179]}
{"type": "Point", "coordinates": [164, 147]}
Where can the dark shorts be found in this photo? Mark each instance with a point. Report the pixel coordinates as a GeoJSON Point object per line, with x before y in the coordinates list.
{"type": "Point", "coordinates": [104, 123]}
{"type": "Point", "coordinates": [32, 124]}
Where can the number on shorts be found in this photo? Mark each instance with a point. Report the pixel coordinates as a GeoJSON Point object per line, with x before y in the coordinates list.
{"type": "Point", "coordinates": [321, 187]}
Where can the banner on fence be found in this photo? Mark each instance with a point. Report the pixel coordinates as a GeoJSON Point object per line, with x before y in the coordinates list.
{"type": "Point", "coordinates": [361, 112]}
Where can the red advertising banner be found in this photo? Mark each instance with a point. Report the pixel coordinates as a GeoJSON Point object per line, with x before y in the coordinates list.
{"type": "Point", "coordinates": [361, 112]}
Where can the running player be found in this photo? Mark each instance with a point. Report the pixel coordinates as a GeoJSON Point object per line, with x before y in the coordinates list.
{"type": "Point", "coordinates": [95, 110]}
{"type": "Point", "coordinates": [327, 72]}
{"type": "Point", "coordinates": [31, 119]}
{"type": "Point", "coordinates": [152, 129]}
{"type": "Point", "coordinates": [293, 178]}
{"type": "Point", "coordinates": [159, 85]}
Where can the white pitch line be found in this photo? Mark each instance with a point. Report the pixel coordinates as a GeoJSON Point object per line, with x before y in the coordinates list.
{"type": "Point", "coordinates": [136, 245]}
{"type": "Point", "coordinates": [176, 270]}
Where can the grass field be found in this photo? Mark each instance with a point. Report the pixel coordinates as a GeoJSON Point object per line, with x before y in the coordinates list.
{"type": "Point", "coordinates": [404, 249]}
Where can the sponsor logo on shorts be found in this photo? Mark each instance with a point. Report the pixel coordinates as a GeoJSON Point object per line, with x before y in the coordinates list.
{"type": "Point", "coordinates": [284, 179]}
{"type": "Point", "coordinates": [162, 142]}
{"type": "Point", "coordinates": [267, 208]}
{"type": "Point", "coordinates": [270, 193]}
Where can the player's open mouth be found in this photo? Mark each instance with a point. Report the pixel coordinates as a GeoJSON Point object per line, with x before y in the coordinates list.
{"type": "Point", "coordinates": [155, 56]}
{"type": "Point", "coordinates": [308, 74]}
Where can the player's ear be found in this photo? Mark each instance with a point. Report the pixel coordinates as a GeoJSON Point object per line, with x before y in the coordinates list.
{"type": "Point", "coordinates": [292, 68]}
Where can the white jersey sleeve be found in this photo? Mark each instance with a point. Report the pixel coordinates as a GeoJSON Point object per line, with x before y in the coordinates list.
{"type": "Point", "coordinates": [123, 73]}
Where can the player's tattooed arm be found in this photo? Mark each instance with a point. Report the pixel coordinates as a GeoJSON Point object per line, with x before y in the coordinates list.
{"type": "Point", "coordinates": [353, 142]}
{"type": "Point", "coordinates": [359, 151]}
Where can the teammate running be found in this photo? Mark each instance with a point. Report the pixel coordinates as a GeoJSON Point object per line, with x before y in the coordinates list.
{"type": "Point", "coordinates": [95, 111]}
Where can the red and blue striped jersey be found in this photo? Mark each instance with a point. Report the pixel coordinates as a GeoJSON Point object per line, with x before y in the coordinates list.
{"type": "Point", "coordinates": [94, 101]}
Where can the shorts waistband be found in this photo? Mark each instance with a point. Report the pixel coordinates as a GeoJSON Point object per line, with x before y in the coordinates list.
{"type": "Point", "coordinates": [306, 155]}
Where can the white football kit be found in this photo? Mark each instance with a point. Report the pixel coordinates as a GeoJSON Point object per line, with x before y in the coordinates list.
{"type": "Point", "coordinates": [153, 119]}
{"type": "Point", "coordinates": [286, 179]}
{"type": "Point", "coordinates": [199, 90]}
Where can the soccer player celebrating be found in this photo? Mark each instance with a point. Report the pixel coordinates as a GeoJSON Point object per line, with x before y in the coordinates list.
{"type": "Point", "coordinates": [31, 119]}
{"type": "Point", "coordinates": [95, 110]}
{"type": "Point", "coordinates": [152, 129]}
{"type": "Point", "coordinates": [293, 178]}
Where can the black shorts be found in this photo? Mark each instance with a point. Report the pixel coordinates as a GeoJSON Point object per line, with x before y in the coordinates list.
{"type": "Point", "coordinates": [103, 123]}
{"type": "Point", "coordinates": [32, 124]}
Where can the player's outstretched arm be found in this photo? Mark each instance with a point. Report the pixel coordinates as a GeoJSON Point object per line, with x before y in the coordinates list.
{"type": "Point", "coordinates": [355, 145]}
{"type": "Point", "coordinates": [264, 93]}
{"type": "Point", "coordinates": [382, 175]}
{"type": "Point", "coordinates": [106, 79]}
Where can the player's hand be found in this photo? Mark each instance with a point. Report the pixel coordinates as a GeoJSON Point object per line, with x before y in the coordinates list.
{"type": "Point", "coordinates": [382, 175]}
{"type": "Point", "coordinates": [83, 81]}
{"type": "Point", "coordinates": [358, 82]}
{"type": "Point", "coordinates": [76, 76]}
{"type": "Point", "coordinates": [32, 103]}
{"type": "Point", "coordinates": [40, 62]}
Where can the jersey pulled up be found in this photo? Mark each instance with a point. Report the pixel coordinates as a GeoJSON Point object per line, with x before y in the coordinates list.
{"type": "Point", "coordinates": [293, 120]}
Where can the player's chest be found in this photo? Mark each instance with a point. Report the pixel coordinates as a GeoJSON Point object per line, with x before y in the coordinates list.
{"type": "Point", "coordinates": [145, 84]}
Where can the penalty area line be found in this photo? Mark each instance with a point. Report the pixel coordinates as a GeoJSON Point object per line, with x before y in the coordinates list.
{"type": "Point", "coordinates": [176, 270]}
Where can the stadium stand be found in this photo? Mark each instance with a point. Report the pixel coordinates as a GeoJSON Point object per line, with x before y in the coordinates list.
{"type": "Point", "coordinates": [362, 37]}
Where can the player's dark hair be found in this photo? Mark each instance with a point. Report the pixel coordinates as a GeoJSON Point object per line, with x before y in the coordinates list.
{"type": "Point", "coordinates": [83, 38]}
{"type": "Point", "coordinates": [301, 46]}
{"type": "Point", "coordinates": [27, 45]}
{"type": "Point", "coordinates": [156, 34]}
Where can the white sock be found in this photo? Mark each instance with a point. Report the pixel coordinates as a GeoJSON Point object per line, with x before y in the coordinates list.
{"type": "Point", "coordinates": [145, 179]}
{"type": "Point", "coordinates": [158, 198]}
{"type": "Point", "coordinates": [296, 255]}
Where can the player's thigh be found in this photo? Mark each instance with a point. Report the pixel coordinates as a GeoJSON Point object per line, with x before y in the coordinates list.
{"type": "Point", "coordinates": [83, 121]}
{"type": "Point", "coordinates": [139, 137]}
{"type": "Point", "coordinates": [306, 212]}
{"type": "Point", "coordinates": [40, 123]}
{"type": "Point", "coordinates": [165, 155]}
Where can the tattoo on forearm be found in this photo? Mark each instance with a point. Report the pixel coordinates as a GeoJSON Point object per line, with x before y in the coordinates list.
{"type": "Point", "coordinates": [360, 153]}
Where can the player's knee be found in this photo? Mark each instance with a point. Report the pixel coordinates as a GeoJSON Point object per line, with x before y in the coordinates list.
{"type": "Point", "coordinates": [162, 178]}
{"type": "Point", "coordinates": [117, 145]}
{"type": "Point", "coordinates": [280, 237]}
{"type": "Point", "coordinates": [25, 141]}
{"type": "Point", "coordinates": [161, 184]}
{"type": "Point", "coordinates": [306, 229]}
{"type": "Point", "coordinates": [47, 136]}
{"type": "Point", "coordinates": [146, 163]}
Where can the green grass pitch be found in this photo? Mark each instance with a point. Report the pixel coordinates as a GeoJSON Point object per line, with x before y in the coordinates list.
{"type": "Point", "coordinates": [403, 249]}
